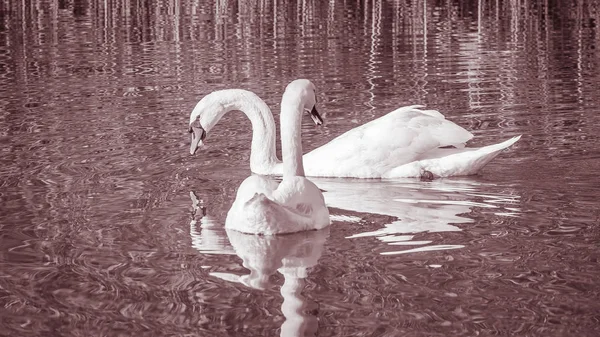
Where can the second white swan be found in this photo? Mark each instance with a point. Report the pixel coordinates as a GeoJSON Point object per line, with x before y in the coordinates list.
{"type": "Point", "coordinates": [404, 143]}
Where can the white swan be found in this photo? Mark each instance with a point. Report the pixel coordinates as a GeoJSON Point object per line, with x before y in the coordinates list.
{"type": "Point", "coordinates": [404, 143]}
{"type": "Point", "coordinates": [297, 204]}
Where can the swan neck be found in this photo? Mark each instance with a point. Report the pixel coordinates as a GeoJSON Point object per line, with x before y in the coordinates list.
{"type": "Point", "coordinates": [262, 155]}
{"type": "Point", "coordinates": [291, 140]}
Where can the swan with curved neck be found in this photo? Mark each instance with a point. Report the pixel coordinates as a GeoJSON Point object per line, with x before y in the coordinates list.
{"type": "Point", "coordinates": [404, 143]}
{"type": "Point", "coordinates": [296, 204]}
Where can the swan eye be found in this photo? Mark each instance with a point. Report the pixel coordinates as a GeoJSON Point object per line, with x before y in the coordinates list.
{"type": "Point", "coordinates": [190, 130]}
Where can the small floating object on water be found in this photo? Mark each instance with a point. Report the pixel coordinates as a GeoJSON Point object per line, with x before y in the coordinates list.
{"type": "Point", "coordinates": [197, 204]}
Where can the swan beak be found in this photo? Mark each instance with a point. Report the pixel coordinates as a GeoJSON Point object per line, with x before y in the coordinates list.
{"type": "Point", "coordinates": [314, 114]}
{"type": "Point", "coordinates": [198, 135]}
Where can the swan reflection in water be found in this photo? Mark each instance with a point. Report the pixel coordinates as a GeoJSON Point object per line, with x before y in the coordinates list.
{"type": "Point", "coordinates": [435, 206]}
{"type": "Point", "coordinates": [209, 236]}
{"type": "Point", "coordinates": [292, 255]}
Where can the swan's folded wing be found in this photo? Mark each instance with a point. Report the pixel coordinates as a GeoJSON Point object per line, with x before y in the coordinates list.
{"type": "Point", "coordinates": [444, 132]}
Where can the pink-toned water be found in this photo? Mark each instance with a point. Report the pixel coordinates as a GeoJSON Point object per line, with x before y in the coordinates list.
{"type": "Point", "coordinates": [98, 235]}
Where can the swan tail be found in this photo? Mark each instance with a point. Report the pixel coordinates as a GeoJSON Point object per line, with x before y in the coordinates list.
{"type": "Point", "coordinates": [444, 162]}
{"type": "Point", "coordinates": [470, 161]}
{"type": "Point", "coordinates": [495, 148]}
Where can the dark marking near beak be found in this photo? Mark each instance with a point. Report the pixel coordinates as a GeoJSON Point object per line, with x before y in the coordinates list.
{"type": "Point", "coordinates": [314, 114]}
{"type": "Point", "coordinates": [198, 135]}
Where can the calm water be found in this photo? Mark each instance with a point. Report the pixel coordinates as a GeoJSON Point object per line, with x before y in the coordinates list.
{"type": "Point", "coordinates": [98, 236]}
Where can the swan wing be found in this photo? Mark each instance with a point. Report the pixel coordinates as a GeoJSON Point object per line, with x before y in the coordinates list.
{"type": "Point", "coordinates": [303, 197]}
{"type": "Point", "coordinates": [240, 211]}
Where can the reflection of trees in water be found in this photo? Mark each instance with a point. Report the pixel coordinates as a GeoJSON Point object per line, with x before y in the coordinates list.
{"type": "Point", "coordinates": [462, 54]}
{"type": "Point", "coordinates": [242, 29]}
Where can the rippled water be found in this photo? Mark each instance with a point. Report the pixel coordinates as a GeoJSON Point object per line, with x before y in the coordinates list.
{"type": "Point", "coordinates": [98, 236]}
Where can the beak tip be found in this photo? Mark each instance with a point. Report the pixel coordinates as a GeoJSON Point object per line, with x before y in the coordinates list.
{"type": "Point", "coordinates": [317, 119]}
{"type": "Point", "coordinates": [314, 114]}
{"type": "Point", "coordinates": [197, 135]}
{"type": "Point", "coordinates": [194, 147]}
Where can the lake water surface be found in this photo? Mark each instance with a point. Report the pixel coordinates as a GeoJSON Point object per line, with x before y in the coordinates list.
{"type": "Point", "coordinates": [98, 236]}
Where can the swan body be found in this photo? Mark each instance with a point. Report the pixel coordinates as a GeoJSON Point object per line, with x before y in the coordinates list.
{"type": "Point", "coordinates": [402, 144]}
{"type": "Point", "coordinates": [296, 204]}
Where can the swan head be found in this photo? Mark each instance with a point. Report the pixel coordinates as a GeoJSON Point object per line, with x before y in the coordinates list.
{"type": "Point", "coordinates": [206, 114]}
{"type": "Point", "coordinates": [305, 90]}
